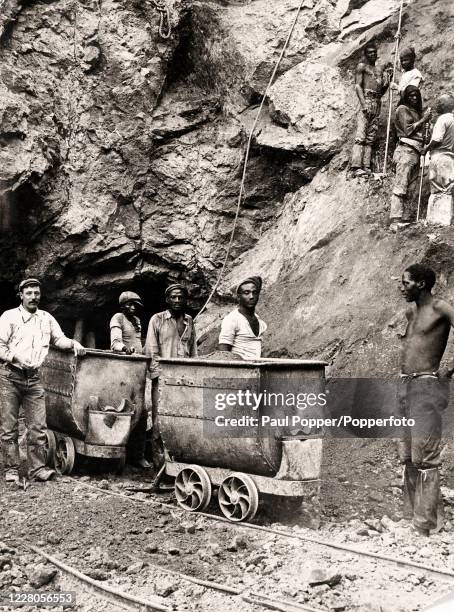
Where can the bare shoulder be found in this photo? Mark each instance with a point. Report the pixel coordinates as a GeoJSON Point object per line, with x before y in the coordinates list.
{"type": "Point", "coordinates": [442, 306]}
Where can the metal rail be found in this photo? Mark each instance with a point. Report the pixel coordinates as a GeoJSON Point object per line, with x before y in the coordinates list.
{"type": "Point", "coordinates": [434, 571]}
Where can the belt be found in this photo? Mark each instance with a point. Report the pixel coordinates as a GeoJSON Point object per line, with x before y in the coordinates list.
{"type": "Point", "coordinates": [369, 93]}
{"type": "Point", "coordinates": [27, 372]}
{"type": "Point", "coordinates": [416, 145]}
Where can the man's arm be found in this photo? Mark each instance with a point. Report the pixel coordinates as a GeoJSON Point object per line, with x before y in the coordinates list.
{"type": "Point", "coordinates": [404, 121]}
{"type": "Point", "coordinates": [437, 135]}
{"type": "Point", "coordinates": [193, 343]}
{"type": "Point", "coordinates": [446, 311]}
{"type": "Point", "coordinates": [152, 348]}
{"type": "Point", "coordinates": [58, 339]}
{"type": "Point", "coordinates": [227, 335]}
{"type": "Point", "coordinates": [5, 334]}
{"type": "Point", "coordinates": [359, 85]}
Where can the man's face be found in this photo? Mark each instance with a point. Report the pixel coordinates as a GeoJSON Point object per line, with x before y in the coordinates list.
{"type": "Point", "coordinates": [371, 55]}
{"type": "Point", "coordinates": [410, 288]}
{"type": "Point", "coordinates": [130, 308]}
{"type": "Point", "coordinates": [176, 300]}
{"type": "Point", "coordinates": [248, 295]}
{"type": "Point", "coordinates": [30, 297]}
{"type": "Point", "coordinates": [413, 99]}
{"type": "Point", "coordinates": [407, 62]}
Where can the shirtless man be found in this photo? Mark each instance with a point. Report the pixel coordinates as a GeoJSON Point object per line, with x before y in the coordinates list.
{"type": "Point", "coordinates": [424, 394]}
{"type": "Point", "coordinates": [370, 85]}
{"type": "Point", "coordinates": [242, 330]}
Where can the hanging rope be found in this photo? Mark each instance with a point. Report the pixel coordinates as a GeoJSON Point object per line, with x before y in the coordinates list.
{"type": "Point", "coordinates": [165, 29]}
{"type": "Point", "coordinates": [246, 159]}
{"type": "Point", "coordinates": [390, 110]}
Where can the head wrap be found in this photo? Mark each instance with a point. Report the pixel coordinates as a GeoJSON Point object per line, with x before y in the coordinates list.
{"type": "Point", "coordinates": [171, 288]}
{"type": "Point", "coordinates": [29, 282]}
{"type": "Point", "coordinates": [408, 52]}
{"type": "Point", "coordinates": [407, 91]}
{"type": "Point", "coordinates": [129, 296]}
{"type": "Point", "coordinates": [255, 280]}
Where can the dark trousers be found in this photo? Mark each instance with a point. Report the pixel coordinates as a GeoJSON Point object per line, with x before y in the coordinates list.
{"type": "Point", "coordinates": [16, 389]}
{"type": "Point", "coordinates": [135, 448]}
{"type": "Point", "coordinates": [422, 399]}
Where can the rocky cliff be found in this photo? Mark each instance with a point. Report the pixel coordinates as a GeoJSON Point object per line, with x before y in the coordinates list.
{"type": "Point", "coordinates": [121, 157]}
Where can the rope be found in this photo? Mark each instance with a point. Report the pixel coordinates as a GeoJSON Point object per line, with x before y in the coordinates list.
{"type": "Point", "coordinates": [165, 29]}
{"type": "Point", "coordinates": [246, 159]}
{"type": "Point", "coordinates": [390, 110]}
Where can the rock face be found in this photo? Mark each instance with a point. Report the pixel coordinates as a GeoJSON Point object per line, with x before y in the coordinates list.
{"type": "Point", "coordinates": [121, 158]}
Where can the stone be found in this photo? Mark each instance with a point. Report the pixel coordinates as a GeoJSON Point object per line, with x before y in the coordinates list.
{"type": "Point", "coordinates": [319, 576]}
{"type": "Point", "coordinates": [53, 539]}
{"type": "Point", "coordinates": [135, 568]}
{"type": "Point", "coordinates": [151, 548]}
{"type": "Point", "coordinates": [173, 551]}
{"type": "Point", "coordinates": [166, 586]}
{"type": "Point", "coordinates": [41, 575]}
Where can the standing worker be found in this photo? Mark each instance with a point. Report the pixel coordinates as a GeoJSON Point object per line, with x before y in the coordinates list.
{"type": "Point", "coordinates": [409, 122]}
{"type": "Point", "coordinates": [126, 337]}
{"type": "Point", "coordinates": [25, 335]}
{"type": "Point", "coordinates": [170, 333]}
{"type": "Point", "coordinates": [424, 394]}
{"type": "Point", "coordinates": [371, 84]}
{"type": "Point", "coordinates": [441, 169]}
{"type": "Point", "coordinates": [410, 74]}
{"type": "Point", "coordinates": [242, 330]}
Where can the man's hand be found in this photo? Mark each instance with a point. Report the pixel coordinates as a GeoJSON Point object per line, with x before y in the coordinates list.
{"type": "Point", "coordinates": [427, 115]}
{"type": "Point", "coordinates": [17, 361]}
{"type": "Point", "coordinates": [78, 349]}
{"type": "Point", "coordinates": [129, 351]}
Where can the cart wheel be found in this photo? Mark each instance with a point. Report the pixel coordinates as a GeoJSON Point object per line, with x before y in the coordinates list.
{"type": "Point", "coordinates": [65, 455]}
{"type": "Point", "coordinates": [193, 488]}
{"type": "Point", "coordinates": [51, 447]}
{"type": "Point", "coordinates": [238, 497]}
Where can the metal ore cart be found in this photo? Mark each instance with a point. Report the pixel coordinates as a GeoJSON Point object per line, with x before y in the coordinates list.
{"type": "Point", "coordinates": [92, 404]}
{"type": "Point", "coordinates": [274, 461]}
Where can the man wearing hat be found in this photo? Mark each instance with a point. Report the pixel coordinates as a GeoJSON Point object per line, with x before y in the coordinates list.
{"type": "Point", "coordinates": [25, 335]}
{"type": "Point", "coordinates": [125, 327]}
{"type": "Point", "coordinates": [170, 333]}
{"type": "Point", "coordinates": [126, 337]}
{"type": "Point", "coordinates": [242, 330]}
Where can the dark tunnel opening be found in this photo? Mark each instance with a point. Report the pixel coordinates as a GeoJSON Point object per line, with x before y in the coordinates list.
{"type": "Point", "coordinates": [93, 326]}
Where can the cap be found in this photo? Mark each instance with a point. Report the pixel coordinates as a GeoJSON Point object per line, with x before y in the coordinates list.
{"type": "Point", "coordinates": [255, 280]}
{"type": "Point", "coordinates": [176, 286]}
{"type": "Point", "coordinates": [129, 296]}
{"type": "Point", "coordinates": [29, 282]}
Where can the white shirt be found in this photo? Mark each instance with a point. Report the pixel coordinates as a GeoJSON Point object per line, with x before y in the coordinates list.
{"type": "Point", "coordinates": [236, 331]}
{"type": "Point", "coordinates": [411, 77]}
{"type": "Point", "coordinates": [27, 335]}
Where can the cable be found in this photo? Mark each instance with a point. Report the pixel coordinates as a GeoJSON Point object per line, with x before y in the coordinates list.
{"type": "Point", "coordinates": [246, 159]}
{"type": "Point", "coordinates": [390, 110]}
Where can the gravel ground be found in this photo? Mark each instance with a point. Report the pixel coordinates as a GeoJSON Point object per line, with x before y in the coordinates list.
{"type": "Point", "coordinates": [128, 545]}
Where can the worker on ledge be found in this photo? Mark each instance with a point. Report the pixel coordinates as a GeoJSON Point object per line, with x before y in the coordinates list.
{"type": "Point", "coordinates": [242, 330]}
{"type": "Point", "coordinates": [371, 84]}
{"type": "Point", "coordinates": [25, 335]}
{"type": "Point", "coordinates": [125, 337]}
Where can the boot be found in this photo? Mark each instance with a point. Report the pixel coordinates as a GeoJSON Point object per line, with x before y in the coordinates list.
{"type": "Point", "coordinates": [367, 157]}
{"type": "Point", "coordinates": [357, 156]}
{"type": "Point", "coordinates": [410, 478]}
{"type": "Point", "coordinates": [36, 458]}
{"type": "Point", "coordinates": [427, 496]}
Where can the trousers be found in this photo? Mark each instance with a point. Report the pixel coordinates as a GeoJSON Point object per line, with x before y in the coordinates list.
{"type": "Point", "coordinates": [17, 389]}
{"type": "Point", "coordinates": [366, 133]}
{"type": "Point", "coordinates": [424, 400]}
{"type": "Point", "coordinates": [406, 161]}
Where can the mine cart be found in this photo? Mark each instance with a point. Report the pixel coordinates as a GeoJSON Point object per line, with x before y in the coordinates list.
{"type": "Point", "coordinates": [282, 460]}
{"type": "Point", "coordinates": [92, 403]}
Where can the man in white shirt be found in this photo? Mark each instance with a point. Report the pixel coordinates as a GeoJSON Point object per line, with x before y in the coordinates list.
{"type": "Point", "coordinates": [441, 170]}
{"type": "Point", "coordinates": [410, 74]}
{"type": "Point", "coordinates": [242, 330]}
{"type": "Point", "coordinates": [25, 336]}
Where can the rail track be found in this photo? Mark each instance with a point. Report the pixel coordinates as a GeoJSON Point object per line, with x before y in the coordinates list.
{"type": "Point", "coordinates": [435, 572]}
